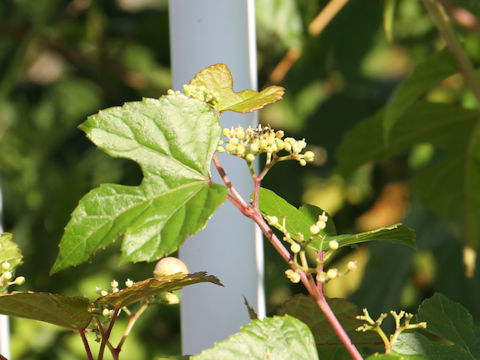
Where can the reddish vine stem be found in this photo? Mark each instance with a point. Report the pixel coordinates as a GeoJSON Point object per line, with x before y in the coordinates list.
{"type": "Point", "coordinates": [106, 336]}
{"type": "Point", "coordinates": [313, 289]}
{"type": "Point", "coordinates": [86, 345]}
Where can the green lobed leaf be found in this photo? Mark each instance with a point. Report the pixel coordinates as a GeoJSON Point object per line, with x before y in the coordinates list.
{"type": "Point", "coordinates": [142, 290]}
{"type": "Point", "coordinates": [450, 333]}
{"type": "Point", "coordinates": [426, 74]}
{"type": "Point", "coordinates": [71, 312]}
{"type": "Point", "coordinates": [272, 338]}
{"type": "Point", "coordinates": [450, 320]}
{"type": "Point", "coordinates": [216, 82]}
{"type": "Point", "coordinates": [300, 220]}
{"type": "Point", "coordinates": [396, 233]}
{"type": "Point", "coordinates": [297, 220]}
{"type": "Point", "coordinates": [9, 253]}
{"type": "Point", "coordinates": [305, 309]}
{"type": "Point", "coordinates": [415, 346]}
{"type": "Point", "coordinates": [449, 187]}
{"type": "Point", "coordinates": [173, 139]}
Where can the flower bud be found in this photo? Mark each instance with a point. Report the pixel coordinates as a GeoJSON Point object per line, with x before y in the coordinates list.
{"type": "Point", "coordinates": [6, 265]}
{"type": "Point", "coordinates": [295, 247]}
{"type": "Point", "coordinates": [332, 273]}
{"type": "Point", "coordinates": [250, 157]}
{"type": "Point", "coordinates": [352, 265]}
{"type": "Point", "coordinates": [7, 275]}
{"type": "Point", "coordinates": [314, 229]}
{"type": "Point", "coordinates": [293, 276]}
{"type": "Point", "coordinates": [321, 225]}
{"type": "Point", "coordinates": [323, 217]}
{"type": "Point", "coordinates": [129, 283]}
{"type": "Point", "coordinates": [333, 245]}
{"type": "Point", "coordinates": [19, 280]}
{"type": "Point", "coordinates": [171, 298]}
{"type": "Point", "coordinates": [309, 156]}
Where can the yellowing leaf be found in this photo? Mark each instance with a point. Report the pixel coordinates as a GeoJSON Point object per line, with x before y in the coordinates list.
{"type": "Point", "coordinates": [215, 86]}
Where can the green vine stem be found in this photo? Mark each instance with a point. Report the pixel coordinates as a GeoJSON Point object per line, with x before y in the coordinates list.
{"type": "Point", "coordinates": [445, 28]}
{"type": "Point", "coordinates": [253, 213]}
{"type": "Point", "coordinates": [131, 322]}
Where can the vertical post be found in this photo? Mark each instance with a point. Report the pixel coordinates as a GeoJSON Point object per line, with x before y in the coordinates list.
{"type": "Point", "coordinates": [203, 33]}
{"type": "Point", "coordinates": [4, 324]}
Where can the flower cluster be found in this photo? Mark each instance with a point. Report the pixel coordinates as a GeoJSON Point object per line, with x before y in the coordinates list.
{"type": "Point", "coordinates": [248, 143]}
{"type": "Point", "coordinates": [375, 325]}
{"type": "Point", "coordinates": [7, 276]}
{"type": "Point", "coordinates": [202, 93]}
{"type": "Point", "coordinates": [298, 244]}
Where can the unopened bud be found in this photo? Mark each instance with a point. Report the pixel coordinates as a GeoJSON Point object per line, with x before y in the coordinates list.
{"type": "Point", "coordinates": [314, 229]}
{"type": "Point", "coordinates": [295, 247]}
{"type": "Point", "coordinates": [333, 245]}
{"type": "Point", "coordinates": [309, 156]}
{"type": "Point", "coordinates": [19, 280]}
{"type": "Point", "coordinates": [6, 265]}
{"type": "Point", "coordinates": [332, 273]}
{"type": "Point", "coordinates": [171, 298]}
{"type": "Point", "coordinates": [352, 265]}
{"type": "Point", "coordinates": [293, 276]}
{"type": "Point", "coordinates": [129, 283]}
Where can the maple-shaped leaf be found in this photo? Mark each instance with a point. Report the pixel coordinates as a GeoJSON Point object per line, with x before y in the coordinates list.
{"type": "Point", "coordinates": [214, 85]}
{"type": "Point", "coordinates": [173, 139]}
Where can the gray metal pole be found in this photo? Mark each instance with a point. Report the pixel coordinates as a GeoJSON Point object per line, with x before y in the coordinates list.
{"type": "Point", "coordinates": [4, 323]}
{"type": "Point", "coordinates": [203, 33]}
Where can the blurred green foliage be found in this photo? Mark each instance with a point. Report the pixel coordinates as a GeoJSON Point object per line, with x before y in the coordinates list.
{"type": "Point", "coordinates": [62, 60]}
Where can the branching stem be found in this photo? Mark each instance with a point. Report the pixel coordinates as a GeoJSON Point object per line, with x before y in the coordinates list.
{"type": "Point", "coordinates": [131, 322]}
{"type": "Point", "coordinates": [253, 212]}
{"type": "Point", "coordinates": [86, 345]}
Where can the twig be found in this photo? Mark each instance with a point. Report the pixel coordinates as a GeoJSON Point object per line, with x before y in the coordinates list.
{"type": "Point", "coordinates": [447, 31]}
{"type": "Point", "coordinates": [131, 322]}
{"type": "Point", "coordinates": [86, 345]}
{"type": "Point", "coordinates": [284, 66]}
{"type": "Point", "coordinates": [325, 16]}
{"type": "Point", "coordinates": [106, 335]}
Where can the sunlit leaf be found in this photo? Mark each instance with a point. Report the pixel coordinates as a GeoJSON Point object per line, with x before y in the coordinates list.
{"type": "Point", "coordinates": [272, 338]}
{"type": "Point", "coordinates": [143, 290]}
{"type": "Point", "coordinates": [173, 139]}
{"type": "Point", "coordinates": [216, 82]}
{"type": "Point", "coordinates": [72, 312]}
{"type": "Point", "coordinates": [9, 253]}
{"type": "Point", "coordinates": [298, 221]}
